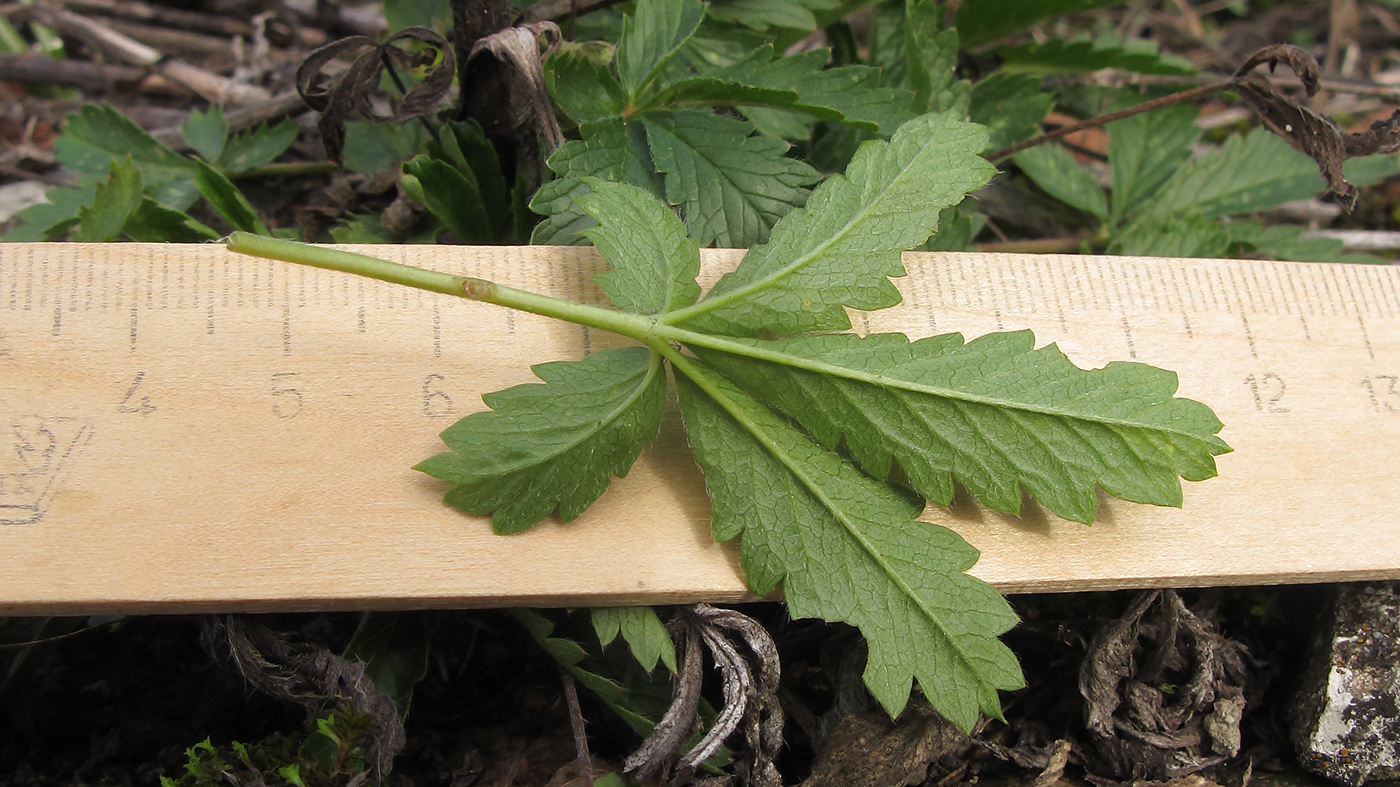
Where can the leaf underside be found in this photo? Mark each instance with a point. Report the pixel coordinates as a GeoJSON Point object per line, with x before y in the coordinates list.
{"type": "Point", "coordinates": [846, 547]}
{"type": "Point", "coordinates": [798, 436]}
{"type": "Point", "coordinates": [993, 414]}
{"type": "Point", "coordinates": [555, 446]}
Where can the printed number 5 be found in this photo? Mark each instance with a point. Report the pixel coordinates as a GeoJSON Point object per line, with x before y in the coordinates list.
{"type": "Point", "coordinates": [286, 399]}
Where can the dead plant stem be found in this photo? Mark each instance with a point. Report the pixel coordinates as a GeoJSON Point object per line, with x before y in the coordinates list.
{"type": "Point", "coordinates": [1095, 122]}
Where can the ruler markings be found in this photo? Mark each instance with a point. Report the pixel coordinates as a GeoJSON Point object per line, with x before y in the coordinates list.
{"type": "Point", "coordinates": [1389, 285]}
{"type": "Point", "coordinates": [1117, 293]}
{"type": "Point", "coordinates": [1355, 297]}
{"type": "Point", "coordinates": [1376, 296]}
{"type": "Point", "coordinates": [1365, 336]}
{"type": "Point", "coordinates": [1264, 287]}
{"type": "Point", "coordinates": [1249, 337]}
{"type": "Point", "coordinates": [1240, 296]}
{"type": "Point", "coordinates": [1175, 289]}
{"type": "Point", "coordinates": [1380, 299]}
{"type": "Point", "coordinates": [437, 331]}
{"type": "Point", "coordinates": [1332, 291]}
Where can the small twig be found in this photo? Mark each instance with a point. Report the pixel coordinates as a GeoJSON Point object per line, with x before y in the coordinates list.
{"type": "Point", "coordinates": [1146, 106]}
{"type": "Point", "coordinates": [58, 637]}
{"type": "Point", "coordinates": [275, 108]}
{"type": "Point", "coordinates": [576, 723]}
{"type": "Point", "coordinates": [211, 86]}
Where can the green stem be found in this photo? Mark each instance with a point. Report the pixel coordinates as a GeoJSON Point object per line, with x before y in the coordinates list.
{"type": "Point", "coordinates": [333, 259]}
{"type": "Point", "coordinates": [651, 330]}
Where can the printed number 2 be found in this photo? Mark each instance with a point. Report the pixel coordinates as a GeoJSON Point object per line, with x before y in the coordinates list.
{"type": "Point", "coordinates": [286, 398]}
{"type": "Point", "coordinates": [1384, 393]}
{"type": "Point", "coordinates": [1268, 390]}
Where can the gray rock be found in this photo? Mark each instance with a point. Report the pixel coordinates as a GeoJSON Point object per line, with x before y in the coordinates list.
{"type": "Point", "coordinates": [1346, 723]}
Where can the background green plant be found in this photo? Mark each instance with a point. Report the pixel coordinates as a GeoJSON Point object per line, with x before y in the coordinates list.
{"type": "Point", "coordinates": [695, 105]}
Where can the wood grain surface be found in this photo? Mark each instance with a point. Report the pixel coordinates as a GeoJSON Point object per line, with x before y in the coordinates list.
{"type": "Point", "coordinates": [183, 429]}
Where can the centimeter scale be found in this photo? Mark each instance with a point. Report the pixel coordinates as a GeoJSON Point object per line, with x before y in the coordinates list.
{"type": "Point", "coordinates": [186, 429]}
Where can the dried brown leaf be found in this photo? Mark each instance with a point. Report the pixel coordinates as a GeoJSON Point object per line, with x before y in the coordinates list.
{"type": "Point", "coordinates": [339, 97]}
{"type": "Point", "coordinates": [1301, 63]}
{"type": "Point", "coordinates": [1313, 133]}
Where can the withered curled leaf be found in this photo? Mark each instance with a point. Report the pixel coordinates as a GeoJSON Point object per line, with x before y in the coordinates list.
{"type": "Point", "coordinates": [1313, 133]}
{"type": "Point", "coordinates": [340, 96]}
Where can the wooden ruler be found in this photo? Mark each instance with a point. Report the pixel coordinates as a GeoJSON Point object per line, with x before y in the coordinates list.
{"type": "Point", "coordinates": [183, 429]}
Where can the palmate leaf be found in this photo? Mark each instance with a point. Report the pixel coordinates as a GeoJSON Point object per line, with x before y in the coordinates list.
{"type": "Point", "coordinates": [846, 547]}
{"type": "Point", "coordinates": [994, 414]}
{"type": "Point", "coordinates": [553, 446]}
{"type": "Point", "coordinates": [839, 249]}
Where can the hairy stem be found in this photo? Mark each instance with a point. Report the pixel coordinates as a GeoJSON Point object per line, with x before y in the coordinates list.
{"type": "Point", "coordinates": [347, 262]}
{"type": "Point", "coordinates": [650, 330]}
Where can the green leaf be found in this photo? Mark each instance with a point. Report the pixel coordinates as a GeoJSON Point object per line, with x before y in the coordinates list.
{"type": "Point", "coordinates": [1177, 235]}
{"type": "Point", "coordinates": [228, 200]}
{"type": "Point", "coordinates": [846, 548]}
{"type": "Point", "coordinates": [473, 154]}
{"type": "Point", "coordinates": [1145, 150]}
{"type": "Point", "coordinates": [838, 250]}
{"type": "Point", "coordinates": [994, 415]}
{"type": "Point", "coordinates": [1056, 172]}
{"type": "Point", "coordinates": [763, 15]}
{"type": "Point", "coordinates": [582, 84]}
{"type": "Point", "coordinates": [610, 150]}
{"type": "Point", "coordinates": [1285, 242]}
{"type": "Point", "coordinates": [1370, 170]}
{"type": "Point", "coordinates": [651, 37]}
{"type": "Point", "coordinates": [1247, 174]}
{"type": "Point", "coordinates": [49, 220]}
{"type": "Point", "coordinates": [206, 132]}
{"type": "Point", "coordinates": [400, 14]}
{"type": "Point", "coordinates": [556, 445]}
{"type": "Point", "coordinates": [571, 655]}
{"type": "Point", "coordinates": [644, 632]}
{"type": "Point", "coordinates": [730, 187]}
{"type": "Point", "coordinates": [454, 199]}
{"type": "Point", "coordinates": [848, 94]}
{"type": "Point", "coordinates": [97, 134]}
{"type": "Point", "coordinates": [982, 21]}
{"type": "Point", "coordinates": [372, 147]}
{"type": "Point", "coordinates": [654, 263]}
{"type": "Point", "coordinates": [932, 55]}
{"type": "Point", "coordinates": [258, 146]}
{"type": "Point", "coordinates": [1058, 56]}
{"type": "Point", "coordinates": [116, 201]}
{"type": "Point", "coordinates": [957, 227]}
{"type": "Point", "coordinates": [1011, 106]}
{"type": "Point", "coordinates": [155, 223]}
{"type": "Point", "coordinates": [393, 646]}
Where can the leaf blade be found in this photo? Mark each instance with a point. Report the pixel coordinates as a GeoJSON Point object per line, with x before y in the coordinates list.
{"type": "Point", "coordinates": [556, 445]}
{"type": "Point", "coordinates": [731, 186]}
{"type": "Point", "coordinates": [840, 248]}
{"type": "Point", "coordinates": [654, 263]}
{"type": "Point", "coordinates": [901, 583]}
{"type": "Point", "coordinates": [993, 414]}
